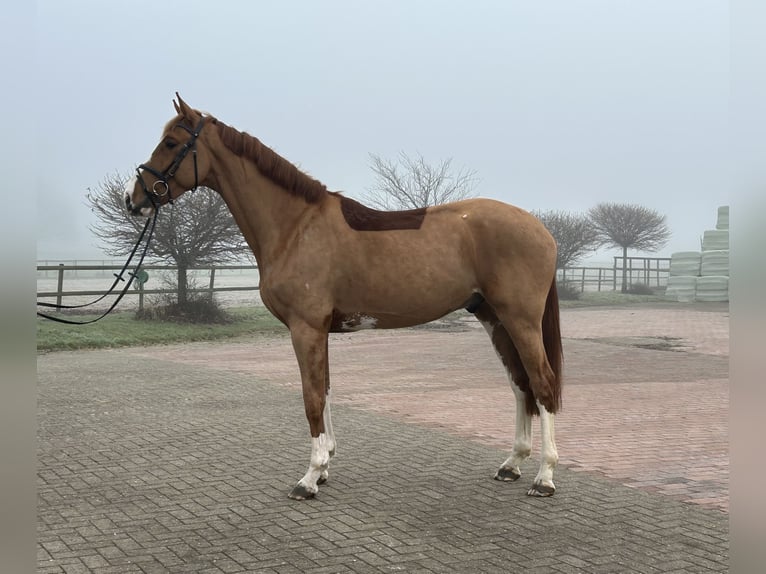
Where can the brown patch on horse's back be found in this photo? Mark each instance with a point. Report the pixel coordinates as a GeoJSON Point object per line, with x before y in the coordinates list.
{"type": "Point", "coordinates": [362, 218]}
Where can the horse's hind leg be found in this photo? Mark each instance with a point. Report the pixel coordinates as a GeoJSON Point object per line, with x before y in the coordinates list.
{"type": "Point", "coordinates": [518, 339]}
{"type": "Point", "coordinates": [543, 484]}
{"type": "Point", "coordinates": [501, 341]}
{"type": "Point", "coordinates": [526, 334]}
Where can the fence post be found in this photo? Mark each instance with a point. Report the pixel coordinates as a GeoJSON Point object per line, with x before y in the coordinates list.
{"type": "Point", "coordinates": [658, 272]}
{"type": "Point", "coordinates": [647, 265]}
{"type": "Point", "coordinates": [582, 281]}
{"type": "Point", "coordinates": [599, 279]}
{"type": "Point", "coordinates": [60, 288]}
{"type": "Point", "coordinates": [140, 297]}
{"type": "Point", "coordinates": [212, 281]}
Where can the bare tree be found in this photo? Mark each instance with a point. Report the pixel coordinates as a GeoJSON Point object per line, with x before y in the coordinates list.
{"type": "Point", "coordinates": [574, 233]}
{"type": "Point", "coordinates": [197, 230]}
{"type": "Point", "coordinates": [629, 227]}
{"type": "Point", "coordinates": [413, 183]}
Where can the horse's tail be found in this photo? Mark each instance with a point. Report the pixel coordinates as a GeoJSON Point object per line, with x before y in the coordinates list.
{"type": "Point", "coordinates": [552, 343]}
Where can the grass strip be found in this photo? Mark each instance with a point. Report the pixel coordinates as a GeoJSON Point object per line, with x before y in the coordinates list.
{"type": "Point", "coordinates": [122, 329]}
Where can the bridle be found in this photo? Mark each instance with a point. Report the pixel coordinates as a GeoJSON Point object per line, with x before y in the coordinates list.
{"type": "Point", "coordinates": [151, 199]}
{"type": "Point", "coordinates": [160, 187]}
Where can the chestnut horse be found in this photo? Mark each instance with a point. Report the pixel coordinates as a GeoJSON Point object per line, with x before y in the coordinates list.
{"type": "Point", "coordinates": [329, 264]}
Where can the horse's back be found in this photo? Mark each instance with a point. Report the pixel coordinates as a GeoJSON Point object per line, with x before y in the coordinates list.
{"type": "Point", "coordinates": [498, 228]}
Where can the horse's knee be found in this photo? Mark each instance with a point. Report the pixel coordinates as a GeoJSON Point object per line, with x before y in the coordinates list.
{"type": "Point", "coordinates": [314, 405]}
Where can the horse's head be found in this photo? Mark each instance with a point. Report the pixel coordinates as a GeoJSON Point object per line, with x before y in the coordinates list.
{"type": "Point", "coordinates": [175, 166]}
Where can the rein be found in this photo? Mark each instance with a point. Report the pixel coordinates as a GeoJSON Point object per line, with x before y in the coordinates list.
{"type": "Point", "coordinates": [151, 199]}
{"type": "Point", "coordinates": [150, 224]}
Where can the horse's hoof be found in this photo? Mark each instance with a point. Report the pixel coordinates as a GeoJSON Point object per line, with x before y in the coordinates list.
{"type": "Point", "coordinates": [321, 480]}
{"type": "Point", "coordinates": [300, 492]}
{"type": "Point", "coordinates": [507, 474]}
{"type": "Point", "coordinates": [541, 490]}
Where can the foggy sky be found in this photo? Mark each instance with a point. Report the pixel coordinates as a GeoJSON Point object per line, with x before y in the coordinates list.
{"type": "Point", "coordinates": [556, 104]}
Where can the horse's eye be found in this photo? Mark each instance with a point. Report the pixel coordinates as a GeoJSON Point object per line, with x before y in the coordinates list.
{"type": "Point", "coordinates": [170, 144]}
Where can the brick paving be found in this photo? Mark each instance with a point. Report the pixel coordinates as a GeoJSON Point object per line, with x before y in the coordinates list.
{"type": "Point", "coordinates": [179, 458]}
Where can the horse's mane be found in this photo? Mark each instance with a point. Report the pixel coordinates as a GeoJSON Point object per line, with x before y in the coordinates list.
{"type": "Point", "coordinates": [270, 163]}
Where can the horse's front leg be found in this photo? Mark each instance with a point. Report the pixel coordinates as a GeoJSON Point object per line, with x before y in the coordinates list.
{"type": "Point", "coordinates": [331, 444]}
{"type": "Point", "coordinates": [310, 346]}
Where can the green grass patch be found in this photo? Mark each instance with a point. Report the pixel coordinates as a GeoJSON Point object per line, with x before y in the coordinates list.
{"type": "Point", "coordinates": [607, 298]}
{"type": "Point", "coordinates": [124, 330]}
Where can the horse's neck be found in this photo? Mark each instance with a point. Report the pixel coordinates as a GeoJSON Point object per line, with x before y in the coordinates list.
{"type": "Point", "coordinates": [267, 215]}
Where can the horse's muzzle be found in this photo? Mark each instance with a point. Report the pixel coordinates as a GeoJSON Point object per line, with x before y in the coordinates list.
{"type": "Point", "coordinates": [133, 210]}
{"type": "Point", "coordinates": [145, 208]}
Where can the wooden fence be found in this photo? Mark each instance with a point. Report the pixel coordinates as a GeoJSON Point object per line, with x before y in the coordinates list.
{"type": "Point", "coordinates": [652, 272]}
{"type": "Point", "coordinates": [64, 272]}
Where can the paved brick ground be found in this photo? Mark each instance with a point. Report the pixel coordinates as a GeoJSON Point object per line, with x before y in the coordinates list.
{"type": "Point", "coordinates": [178, 459]}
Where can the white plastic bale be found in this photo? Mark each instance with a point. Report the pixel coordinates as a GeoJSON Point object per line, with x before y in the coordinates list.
{"type": "Point", "coordinates": [681, 288]}
{"type": "Point", "coordinates": [714, 263]}
{"type": "Point", "coordinates": [685, 263]}
{"type": "Point", "coordinates": [723, 217]}
{"type": "Point", "coordinates": [712, 289]}
{"type": "Point", "coordinates": [715, 240]}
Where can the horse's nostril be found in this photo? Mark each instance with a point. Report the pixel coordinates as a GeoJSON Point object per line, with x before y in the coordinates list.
{"type": "Point", "coordinates": [132, 209]}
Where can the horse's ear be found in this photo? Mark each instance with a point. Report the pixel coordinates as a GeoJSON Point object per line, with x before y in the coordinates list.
{"type": "Point", "coordinates": [181, 106]}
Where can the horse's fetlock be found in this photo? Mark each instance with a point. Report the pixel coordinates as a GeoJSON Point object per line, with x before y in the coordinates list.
{"type": "Point", "coordinates": [522, 451]}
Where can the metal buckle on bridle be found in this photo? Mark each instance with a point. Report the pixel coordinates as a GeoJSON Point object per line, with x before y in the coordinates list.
{"type": "Point", "coordinates": [163, 183]}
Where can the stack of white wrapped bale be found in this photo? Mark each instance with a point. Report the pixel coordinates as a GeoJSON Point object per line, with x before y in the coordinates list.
{"type": "Point", "coordinates": [703, 276]}
{"type": "Point", "coordinates": [684, 270]}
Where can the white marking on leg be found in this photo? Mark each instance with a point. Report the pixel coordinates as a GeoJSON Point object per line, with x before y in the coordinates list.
{"type": "Point", "coordinates": [549, 456]}
{"type": "Point", "coordinates": [522, 443]}
{"type": "Point", "coordinates": [320, 458]}
{"type": "Point", "coordinates": [331, 445]}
